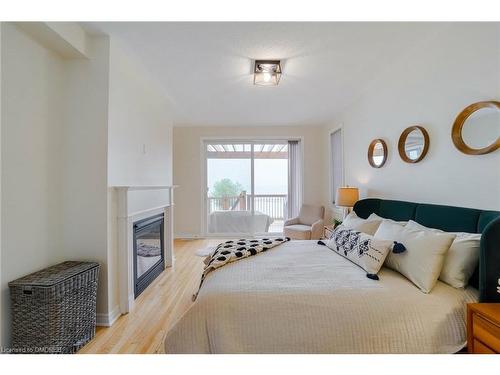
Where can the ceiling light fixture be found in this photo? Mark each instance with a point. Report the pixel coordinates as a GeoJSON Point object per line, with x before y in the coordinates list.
{"type": "Point", "coordinates": [267, 72]}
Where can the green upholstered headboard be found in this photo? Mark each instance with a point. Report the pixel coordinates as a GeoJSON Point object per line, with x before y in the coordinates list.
{"type": "Point", "coordinates": [451, 219]}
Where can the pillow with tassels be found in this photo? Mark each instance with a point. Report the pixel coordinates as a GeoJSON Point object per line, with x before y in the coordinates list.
{"type": "Point", "coordinates": [362, 249]}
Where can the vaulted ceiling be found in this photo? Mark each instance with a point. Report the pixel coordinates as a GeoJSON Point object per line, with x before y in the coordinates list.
{"type": "Point", "coordinates": [206, 68]}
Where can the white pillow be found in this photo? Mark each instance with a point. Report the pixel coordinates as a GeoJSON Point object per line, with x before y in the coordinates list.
{"type": "Point", "coordinates": [368, 226]}
{"type": "Point", "coordinates": [361, 249]}
{"type": "Point", "coordinates": [425, 251]}
{"type": "Point", "coordinates": [374, 216]}
{"type": "Point", "coordinates": [462, 258]}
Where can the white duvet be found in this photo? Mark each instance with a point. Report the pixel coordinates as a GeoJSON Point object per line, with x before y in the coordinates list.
{"type": "Point", "coordinates": [301, 297]}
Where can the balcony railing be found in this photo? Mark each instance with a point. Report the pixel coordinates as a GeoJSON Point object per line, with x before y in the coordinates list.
{"type": "Point", "coordinates": [273, 205]}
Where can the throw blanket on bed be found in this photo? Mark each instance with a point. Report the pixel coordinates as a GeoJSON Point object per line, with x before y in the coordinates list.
{"type": "Point", "coordinates": [233, 250]}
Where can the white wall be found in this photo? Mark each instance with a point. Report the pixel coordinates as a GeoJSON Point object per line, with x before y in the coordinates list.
{"type": "Point", "coordinates": [72, 128]}
{"type": "Point", "coordinates": [140, 126]}
{"type": "Point", "coordinates": [33, 80]}
{"type": "Point", "coordinates": [84, 169]}
{"type": "Point", "coordinates": [67, 39]}
{"type": "Point", "coordinates": [429, 86]}
{"type": "Point", "coordinates": [139, 143]}
{"type": "Point", "coordinates": [71, 33]}
{"type": "Point", "coordinates": [188, 167]}
{"type": "Point", "coordinates": [113, 110]}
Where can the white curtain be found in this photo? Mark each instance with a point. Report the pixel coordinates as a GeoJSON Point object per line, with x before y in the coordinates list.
{"type": "Point", "coordinates": [336, 162]}
{"type": "Point", "coordinates": [294, 179]}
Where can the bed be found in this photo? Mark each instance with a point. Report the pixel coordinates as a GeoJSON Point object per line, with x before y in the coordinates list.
{"type": "Point", "coordinates": [301, 297]}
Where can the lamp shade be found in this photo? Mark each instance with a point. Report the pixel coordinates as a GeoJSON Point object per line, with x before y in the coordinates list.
{"type": "Point", "coordinates": [347, 196]}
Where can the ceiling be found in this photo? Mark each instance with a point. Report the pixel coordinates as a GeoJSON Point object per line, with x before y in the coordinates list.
{"type": "Point", "coordinates": [206, 68]}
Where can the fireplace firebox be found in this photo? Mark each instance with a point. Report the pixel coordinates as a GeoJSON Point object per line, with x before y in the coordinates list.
{"type": "Point", "coordinates": [149, 257]}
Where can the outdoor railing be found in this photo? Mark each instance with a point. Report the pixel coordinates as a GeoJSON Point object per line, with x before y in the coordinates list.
{"type": "Point", "coordinates": [273, 205]}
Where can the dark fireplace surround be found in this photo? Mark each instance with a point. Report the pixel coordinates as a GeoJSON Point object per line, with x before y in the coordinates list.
{"type": "Point", "coordinates": [149, 251]}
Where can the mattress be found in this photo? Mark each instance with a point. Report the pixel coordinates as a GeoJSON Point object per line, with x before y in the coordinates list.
{"type": "Point", "coordinates": [301, 297]}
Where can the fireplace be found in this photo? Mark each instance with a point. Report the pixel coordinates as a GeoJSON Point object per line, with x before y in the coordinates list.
{"type": "Point", "coordinates": [149, 259]}
{"type": "Point", "coordinates": [139, 213]}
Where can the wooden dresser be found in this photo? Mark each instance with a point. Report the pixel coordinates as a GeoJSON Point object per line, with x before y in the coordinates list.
{"type": "Point", "coordinates": [483, 328]}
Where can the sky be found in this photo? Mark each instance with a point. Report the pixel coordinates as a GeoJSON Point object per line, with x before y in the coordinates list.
{"type": "Point", "coordinates": [271, 175]}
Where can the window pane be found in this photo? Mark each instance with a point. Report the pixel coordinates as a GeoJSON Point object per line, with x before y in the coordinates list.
{"type": "Point", "coordinates": [271, 187]}
{"type": "Point", "coordinates": [229, 188]}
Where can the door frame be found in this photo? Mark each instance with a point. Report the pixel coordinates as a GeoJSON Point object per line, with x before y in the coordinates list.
{"type": "Point", "coordinates": [240, 139]}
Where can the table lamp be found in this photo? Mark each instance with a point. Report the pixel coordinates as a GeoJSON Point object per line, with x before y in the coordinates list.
{"type": "Point", "coordinates": [346, 197]}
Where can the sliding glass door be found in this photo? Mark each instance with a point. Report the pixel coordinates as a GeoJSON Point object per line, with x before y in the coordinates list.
{"type": "Point", "coordinates": [229, 187]}
{"type": "Point", "coordinates": [270, 186]}
{"type": "Point", "coordinates": [246, 187]}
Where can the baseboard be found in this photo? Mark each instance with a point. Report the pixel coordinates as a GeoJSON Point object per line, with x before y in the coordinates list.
{"type": "Point", "coordinates": [107, 320]}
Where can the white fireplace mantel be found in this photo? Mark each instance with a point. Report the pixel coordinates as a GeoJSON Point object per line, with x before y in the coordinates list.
{"type": "Point", "coordinates": [137, 203]}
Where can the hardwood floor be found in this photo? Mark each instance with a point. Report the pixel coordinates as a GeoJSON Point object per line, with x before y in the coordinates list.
{"type": "Point", "coordinates": [157, 308]}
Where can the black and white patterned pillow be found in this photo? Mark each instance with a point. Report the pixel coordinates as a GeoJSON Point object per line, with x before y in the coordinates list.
{"type": "Point", "coordinates": [360, 248]}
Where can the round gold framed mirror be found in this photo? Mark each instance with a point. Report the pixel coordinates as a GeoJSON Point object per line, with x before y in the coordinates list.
{"type": "Point", "coordinates": [377, 153]}
{"type": "Point", "coordinates": [476, 130]}
{"type": "Point", "coordinates": [413, 144]}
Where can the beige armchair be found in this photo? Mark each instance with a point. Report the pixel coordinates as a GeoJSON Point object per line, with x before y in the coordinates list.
{"type": "Point", "coordinates": [308, 225]}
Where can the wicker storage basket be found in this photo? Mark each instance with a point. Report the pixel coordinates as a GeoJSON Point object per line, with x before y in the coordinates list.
{"type": "Point", "coordinates": [54, 310]}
